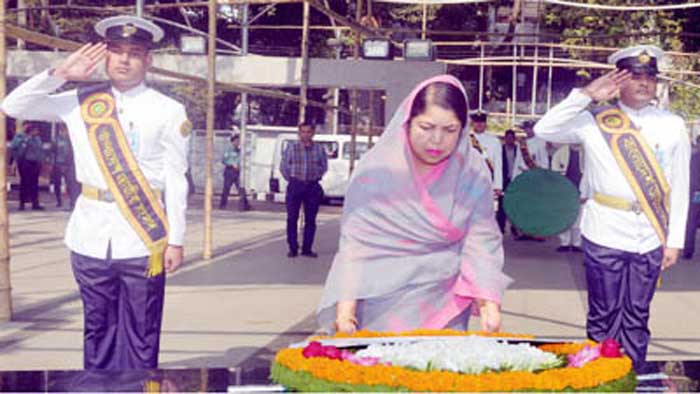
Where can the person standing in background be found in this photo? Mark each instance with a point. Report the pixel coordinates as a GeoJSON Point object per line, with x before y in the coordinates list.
{"type": "Point", "coordinates": [568, 161]}
{"type": "Point", "coordinates": [509, 154]}
{"type": "Point", "coordinates": [489, 146]}
{"type": "Point", "coordinates": [532, 151]}
{"type": "Point", "coordinates": [231, 159]}
{"type": "Point", "coordinates": [62, 167]}
{"type": "Point", "coordinates": [303, 165]}
{"type": "Point", "coordinates": [28, 151]}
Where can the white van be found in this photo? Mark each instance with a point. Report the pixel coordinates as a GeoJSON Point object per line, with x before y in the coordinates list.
{"type": "Point", "coordinates": [337, 147]}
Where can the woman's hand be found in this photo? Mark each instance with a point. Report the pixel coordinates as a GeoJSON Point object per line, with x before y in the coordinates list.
{"type": "Point", "coordinates": [490, 316]}
{"type": "Point", "coordinates": [345, 320]}
{"type": "Point", "coordinates": [346, 324]}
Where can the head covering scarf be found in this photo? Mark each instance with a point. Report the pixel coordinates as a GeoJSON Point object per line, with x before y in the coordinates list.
{"type": "Point", "coordinates": [414, 250]}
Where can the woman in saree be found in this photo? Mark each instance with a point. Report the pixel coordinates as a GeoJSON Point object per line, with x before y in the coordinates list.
{"type": "Point", "coordinates": [419, 245]}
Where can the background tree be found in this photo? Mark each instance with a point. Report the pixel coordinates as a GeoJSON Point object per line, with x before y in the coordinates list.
{"type": "Point", "coordinates": [617, 29]}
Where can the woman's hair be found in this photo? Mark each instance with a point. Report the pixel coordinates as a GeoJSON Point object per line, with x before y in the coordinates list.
{"type": "Point", "coordinates": [444, 95]}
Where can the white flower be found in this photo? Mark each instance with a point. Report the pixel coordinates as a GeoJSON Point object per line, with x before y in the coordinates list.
{"type": "Point", "coordinates": [471, 354]}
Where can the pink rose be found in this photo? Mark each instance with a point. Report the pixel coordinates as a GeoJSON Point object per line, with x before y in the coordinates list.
{"type": "Point", "coordinates": [610, 348]}
{"type": "Point", "coordinates": [331, 352]}
{"type": "Point", "coordinates": [584, 356]}
{"type": "Point", "coordinates": [313, 349]}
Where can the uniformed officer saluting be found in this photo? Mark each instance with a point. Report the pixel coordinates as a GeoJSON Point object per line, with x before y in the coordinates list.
{"type": "Point", "coordinates": [130, 147]}
{"type": "Point", "coordinates": [633, 226]}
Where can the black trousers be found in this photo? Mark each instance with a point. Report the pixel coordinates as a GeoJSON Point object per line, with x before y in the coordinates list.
{"type": "Point", "coordinates": [620, 288]}
{"type": "Point", "coordinates": [310, 194]}
{"type": "Point", "coordinates": [691, 228]}
{"type": "Point", "coordinates": [28, 181]}
{"type": "Point", "coordinates": [232, 177]}
{"type": "Point", "coordinates": [123, 311]}
{"type": "Point", "coordinates": [501, 215]}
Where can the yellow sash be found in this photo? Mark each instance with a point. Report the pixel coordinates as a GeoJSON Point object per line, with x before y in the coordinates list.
{"type": "Point", "coordinates": [480, 149]}
{"type": "Point", "coordinates": [525, 152]}
{"type": "Point", "coordinates": [133, 194]}
{"type": "Point", "coordinates": [638, 163]}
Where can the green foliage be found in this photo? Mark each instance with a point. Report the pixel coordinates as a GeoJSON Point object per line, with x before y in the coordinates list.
{"type": "Point", "coordinates": [615, 29]}
{"type": "Point", "coordinates": [304, 381]}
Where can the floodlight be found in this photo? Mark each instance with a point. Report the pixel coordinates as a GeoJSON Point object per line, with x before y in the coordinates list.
{"type": "Point", "coordinates": [376, 48]}
{"type": "Point", "coordinates": [191, 44]}
{"type": "Point", "coordinates": [415, 49]}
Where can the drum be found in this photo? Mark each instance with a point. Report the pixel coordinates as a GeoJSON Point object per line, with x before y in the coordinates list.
{"type": "Point", "coordinates": [541, 202]}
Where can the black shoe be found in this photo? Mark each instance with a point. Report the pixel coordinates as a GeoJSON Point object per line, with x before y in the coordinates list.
{"type": "Point", "coordinates": [37, 208]}
{"type": "Point", "coordinates": [563, 249]}
{"type": "Point", "coordinates": [576, 249]}
{"type": "Point", "coordinates": [292, 254]}
{"type": "Point", "coordinates": [310, 254]}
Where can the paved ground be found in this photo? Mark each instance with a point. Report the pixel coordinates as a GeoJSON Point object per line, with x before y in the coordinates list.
{"type": "Point", "coordinates": [250, 300]}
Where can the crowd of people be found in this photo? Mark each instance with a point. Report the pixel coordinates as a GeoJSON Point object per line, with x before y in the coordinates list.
{"type": "Point", "coordinates": [421, 245]}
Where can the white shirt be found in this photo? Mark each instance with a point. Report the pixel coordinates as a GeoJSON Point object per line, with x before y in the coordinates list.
{"type": "Point", "coordinates": [664, 132]}
{"type": "Point", "coordinates": [491, 146]}
{"type": "Point", "coordinates": [538, 151]}
{"type": "Point", "coordinates": [154, 122]}
{"type": "Point", "coordinates": [560, 164]}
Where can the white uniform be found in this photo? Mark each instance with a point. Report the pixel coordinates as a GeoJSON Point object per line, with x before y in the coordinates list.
{"type": "Point", "coordinates": [560, 164]}
{"type": "Point", "coordinates": [492, 150]}
{"type": "Point", "coordinates": [538, 151]}
{"type": "Point", "coordinates": [154, 122]}
{"type": "Point", "coordinates": [665, 133]}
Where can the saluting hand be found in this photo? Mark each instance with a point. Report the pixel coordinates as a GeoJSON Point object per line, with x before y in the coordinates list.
{"type": "Point", "coordinates": [607, 86]}
{"type": "Point", "coordinates": [82, 63]}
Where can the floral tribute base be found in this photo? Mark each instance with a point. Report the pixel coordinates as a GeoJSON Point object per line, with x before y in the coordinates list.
{"type": "Point", "coordinates": [585, 366]}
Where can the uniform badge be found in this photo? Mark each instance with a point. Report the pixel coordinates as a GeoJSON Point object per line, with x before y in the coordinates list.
{"type": "Point", "coordinates": [97, 109]}
{"type": "Point", "coordinates": [186, 129]}
{"type": "Point", "coordinates": [613, 121]}
{"type": "Point", "coordinates": [128, 30]}
{"type": "Point", "coordinates": [644, 58]}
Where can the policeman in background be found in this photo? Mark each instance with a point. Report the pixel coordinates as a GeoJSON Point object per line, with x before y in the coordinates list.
{"type": "Point", "coordinates": [63, 167]}
{"type": "Point", "coordinates": [28, 151]}
{"type": "Point", "coordinates": [490, 148]}
{"type": "Point", "coordinates": [637, 161]}
{"type": "Point", "coordinates": [568, 161]}
{"type": "Point", "coordinates": [532, 151]}
{"type": "Point", "coordinates": [130, 147]}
